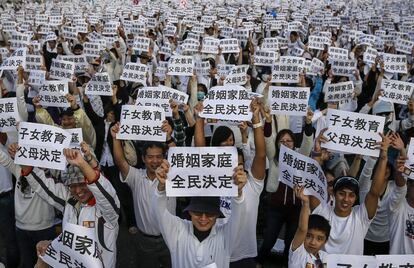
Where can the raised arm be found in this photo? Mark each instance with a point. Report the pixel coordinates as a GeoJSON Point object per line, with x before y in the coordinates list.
{"type": "Point", "coordinates": [259, 160]}
{"type": "Point", "coordinates": [21, 103]}
{"type": "Point", "coordinates": [106, 199]}
{"type": "Point", "coordinates": [119, 157]}
{"type": "Point", "coordinates": [302, 229]}
{"type": "Point", "coordinates": [379, 181]}
{"type": "Point", "coordinates": [199, 138]}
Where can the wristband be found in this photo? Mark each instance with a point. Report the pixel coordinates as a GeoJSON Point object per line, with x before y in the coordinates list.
{"type": "Point", "coordinates": [257, 125]}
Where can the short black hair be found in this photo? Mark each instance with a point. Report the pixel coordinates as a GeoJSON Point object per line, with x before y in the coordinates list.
{"type": "Point", "coordinates": [78, 46]}
{"type": "Point", "coordinates": [153, 144]}
{"type": "Point", "coordinates": [67, 112]}
{"type": "Point", "coordinates": [221, 134]}
{"type": "Point", "coordinates": [317, 222]}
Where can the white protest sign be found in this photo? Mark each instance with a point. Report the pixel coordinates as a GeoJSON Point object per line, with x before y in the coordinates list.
{"type": "Point", "coordinates": [230, 45]}
{"type": "Point", "coordinates": [201, 171]}
{"type": "Point", "coordinates": [190, 45]}
{"type": "Point", "coordinates": [297, 169]}
{"type": "Point", "coordinates": [317, 42]}
{"type": "Point", "coordinates": [396, 91]}
{"type": "Point", "coordinates": [270, 44]}
{"type": "Point", "coordinates": [353, 133]}
{"type": "Point", "coordinates": [289, 100]}
{"type": "Point", "coordinates": [224, 70]}
{"type": "Point", "coordinates": [160, 103]}
{"type": "Point", "coordinates": [76, 245]}
{"type": "Point", "coordinates": [288, 69]}
{"type": "Point", "coordinates": [343, 67]}
{"type": "Point", "coordinates": [141, 123]}
{"type": "Point", "coordinates": [162, 92]}
{"type": "Point", "coordinates": [9, 114]}
{"type": "Point", "coordinates": [237, 75]}
{"type": "Point", "coordinates": [409, 163]}
{"type": "Point", "coordinates": [17, 58]}
{"type": "Point", "coordinates": [230, 102]}
{"type": "Point", "coordinates": [404, 46]}
{"type": "Point", "coordinates": [33, 62]}
{"type": "Point", "coordinates": [134, 72]}
{"type": "Point", "coordinates": [370, 55]}
{"type": "Point", "coordinates": [99, 85]}
{"type": "Point", "coordinates": [181, 65]}
{"type": "Point", "coordinates": [339, 91]}
{"type": "Point", "coordinates": [348, 261]}
{"type": "Point", "coordinates": [70, 32]}
{"type": "Point", "coordinates": [265, 58]}
{"type": "Point", "coordinates": [336, 53]}
{"type": "Point", "coordinates": [317, 66]}
{"type": "Point", "coordinates": [42, 146]}
{"type": "Point", "coordinates": [391, 261]}
{"type": "Point", "coordinates": [91, 49]}
{"type": "Point", "coordinates": [53, 93]}
{"type": "Point", "coordinates": [395, 63]}
{"type": "Point", "coordinates": [81, 64]}
{"type": "Point", "coordinates": [202, 67]}
{"type": "Point", "coordinates": [19, 40]}
{"type": "Point", "coordinates": [62, 70]}
{"type": "Point", "coordinates": [210, 45]}
{"type": "Point", "coordinates": [141, 43]}
{"type": "Point", "coordinates": [37, 77]}
{"type": "Point", "coordinates": [76, 137]}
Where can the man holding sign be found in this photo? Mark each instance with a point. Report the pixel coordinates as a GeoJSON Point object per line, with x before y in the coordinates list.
{"type": "Point", "coordinates": [87, 198]}
{"type": "Point", "coordinates": [350, 223]}
{"type": "Point", "coordinates": [200, 242]}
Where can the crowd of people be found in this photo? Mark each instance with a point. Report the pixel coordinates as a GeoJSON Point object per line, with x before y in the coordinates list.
{"type": "Point", "coordinates": [370, 205]}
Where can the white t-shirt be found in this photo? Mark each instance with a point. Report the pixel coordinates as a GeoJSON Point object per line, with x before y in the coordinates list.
{"type": "Point", "coordinates": [347, 233]}
{"type": "Point", "coordinates": [300, 257]}
{"type": "Point", "coordinates": [246, 243]}
{"type": "Point", "coordinates": [143, 190]}
{"type": "Point", "coordinates": [401, 223]}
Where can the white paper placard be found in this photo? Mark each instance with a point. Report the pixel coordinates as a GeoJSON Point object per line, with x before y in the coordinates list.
{"type": "Point", "coordinates": [134, 72]}
{"type": "Point", "coordinates": [353, 133]}
{"type": "Point", "coordinates": [237, 75]}
{"type": "Point", "coordinates": [62, 70]}
{"type": "Point", "coordinates": [395, 63]}
{"type": "Point", "coordinates": [42, 146]}
{"type": "Point", "coordinates": [53, 93]}
{"type": "Point", "coordinates": [297, 169]}
{"type": "Point", "coordinates": [181, 66]}
{"type": "Point", "coordinates": [289, 100]}
{"type": "Point", "coordinates": [141, 123]}
{"type": "Point", "coordinates": [396, 91]}
{"type": "Point", "coordinates": [201, 171]}
{"type": "Point", "coordinates": [343, 67]}
{"type": "Point", "coordinates": [339, 91]}
{"type": "Point", "coordinates": [338, 260]}
{"type": "Point", "coordinates": [99, 85]}
{"type": "Point", "coordinates": [230, 45]}
{"type": "Point", "coordinates": [9, 114]}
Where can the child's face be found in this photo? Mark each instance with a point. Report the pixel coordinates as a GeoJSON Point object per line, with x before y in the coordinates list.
{"type": "Point", "coordinates": [314, 241]}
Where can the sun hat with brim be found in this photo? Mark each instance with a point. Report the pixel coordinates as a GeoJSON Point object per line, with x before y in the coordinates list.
{"type": "Point", "coordinates": [72, 175]}
{"type": "Point", "coordinates": [205, 204]}
{"type": "Point", "coordinates": [346, 182]}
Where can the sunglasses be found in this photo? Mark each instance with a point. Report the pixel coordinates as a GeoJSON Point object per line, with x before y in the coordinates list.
{"type": "Point", "coordinates": [200, 214]}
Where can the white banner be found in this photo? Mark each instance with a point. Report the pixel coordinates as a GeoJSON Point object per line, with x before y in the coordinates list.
{"type": "Point", "coordinates": [76, 246]}
{"type": "Point", "coordinates": [289, 100]}
{"type": "Point", "coordinates": [297, 169]}
{"type": "Point", "coordinates": [201, 171]}
{"type": "Point", "coordinates": [353, 133]}
{"type": "Point", "coordinates": [42, 146]}
{"type": "Point", "coordinates": [9, 114]}
{"type": "Point", "coordinates": [230, 45]}
{"type": "Point", "coordinates": [141, 123]}
{"type": "Point", "coordinates": [396, 91]}
{"type": "Point", "coordinates": [229, 102]}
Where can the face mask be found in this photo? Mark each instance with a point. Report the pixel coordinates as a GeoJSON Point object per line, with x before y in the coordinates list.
{"type": "Point", "coordinates": [265, 77]}
{"type": "Point", "coordinates": [200, 95]}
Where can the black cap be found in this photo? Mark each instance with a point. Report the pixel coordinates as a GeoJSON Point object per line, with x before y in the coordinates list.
{"type": "Point", "coordinates": [347, 182]}
{"type": "Point", "coordinates": [67, 112]}
{"type": "Point", "coordinates": [206, 204]}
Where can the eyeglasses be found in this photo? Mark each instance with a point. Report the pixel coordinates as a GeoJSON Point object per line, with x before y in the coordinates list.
{"type": "Point", "coordinates": [200, 214]}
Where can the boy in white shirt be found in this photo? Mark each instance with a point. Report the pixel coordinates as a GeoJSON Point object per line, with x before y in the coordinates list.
{"type": "Point", "coordinates": [311, 235]}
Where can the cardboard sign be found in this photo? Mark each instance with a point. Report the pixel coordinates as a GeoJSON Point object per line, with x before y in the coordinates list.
{"type": "Point", "coordinates": [339, 91]}
{"type": "Point", "coordinates": [289, 100]}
